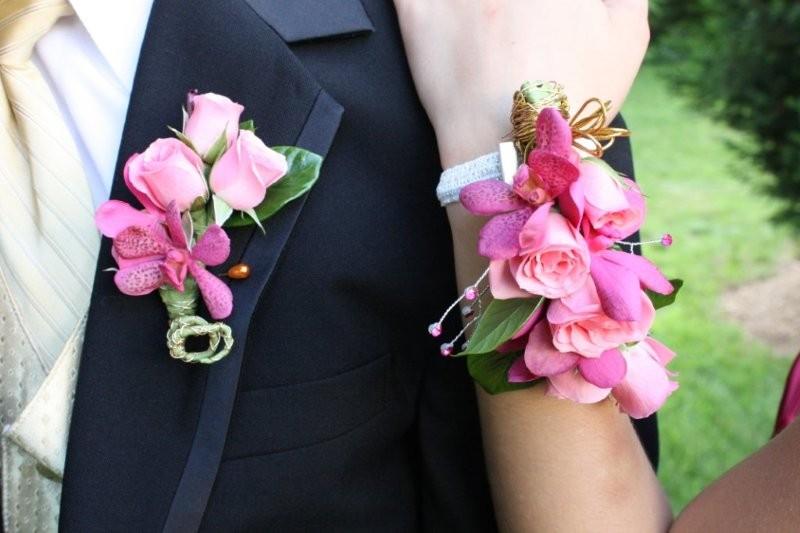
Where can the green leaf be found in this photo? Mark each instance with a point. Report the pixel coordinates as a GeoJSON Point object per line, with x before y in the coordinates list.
{"type": "Point", "coordinates": [222, 211]}
{"type": "Point", "coordinates": [661, 300]}
{"type": "Point", "coordinates": [304, 167]}
{"type": "Point", "coordinates": [490, 371]}
{"type": "Point", "coordinates": [248, 125]}
{"type": "Point", "coordinates": [183, 138]}
{"type": "Point", "coordinates": [499, 322]}
{"type": "Point", "coordinates": [217, 149]}
{"type": "Point", "coordinates": [254, 217]}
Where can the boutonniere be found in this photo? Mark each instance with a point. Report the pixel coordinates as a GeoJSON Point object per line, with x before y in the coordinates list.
{"type": "Point", "coordinates": [565, 299]}
{"type": "Point", "coordinates": [214, 173]}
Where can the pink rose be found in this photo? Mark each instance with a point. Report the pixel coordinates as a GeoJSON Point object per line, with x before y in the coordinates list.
{"type": "Point", "coordinates": [245, 171]}
{"type": "Point", "coordinates": [167, 171]}
{"type": "Point", "coordinates": [579, 324]}
{"type": "Point", "coordinates": [553, 260]}
{"type": "Point", "coordinates": [209, 115]}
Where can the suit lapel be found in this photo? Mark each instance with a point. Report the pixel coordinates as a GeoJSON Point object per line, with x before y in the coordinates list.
{"type": "Point", "coordinates": [147, 432]}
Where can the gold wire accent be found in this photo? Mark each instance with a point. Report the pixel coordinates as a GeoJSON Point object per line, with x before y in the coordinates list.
{"type": "Point", "coordinates": [593, 129]}
{"type": "Point", "coordinates": [527, 103]}
{"type": "Point", "coordinates": [533, 97]}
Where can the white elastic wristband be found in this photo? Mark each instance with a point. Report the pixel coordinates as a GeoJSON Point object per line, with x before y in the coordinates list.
{"type": "Point", "coordinates": [456, 178]}
{"type": "Point", "coordinates": [501, 165]}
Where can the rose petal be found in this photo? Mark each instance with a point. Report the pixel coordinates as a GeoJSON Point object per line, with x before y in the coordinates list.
{"type": "Point", "coordinates": [114, 216]}
{"type": "Point", "coordinates": [499, 238]}
{"type": "Point", "coordinates": [618, 288]}
{"type": "Point", "coordinates": [662, 353]}
{"type": "Point", "coordinates": [519, 373]}
{"type": "Point", "coordinates": [490, 197]}
{"type": "Point", "coordinates": [213, 247]}
{"type": "Point", "coordinates": [502, 283]}
{"type": "Point", "coordinates": [605, 371]}
{"type": "Point", "coordinates": [139, 279]}
{"type": "Point", "coordinates": [646, 385]}
{"type": "Point", "coordinates": [572, 202]}
{"type": "Point", "coordinates": [216, 295]}
{"type": "Point", "coordinates": [570, 385]}
{"type": "Point", "coordinates": [542, 358]}
{"type": "Point", "coordinates": [534, 231]}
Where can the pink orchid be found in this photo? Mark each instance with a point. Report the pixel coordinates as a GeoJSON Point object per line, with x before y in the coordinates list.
{"type": "Point", "coordinates": [551, 168]}
{"type": "Point", "coordinates": [620, 277]}
{"type": "Point", "coordinates": [155, 254]}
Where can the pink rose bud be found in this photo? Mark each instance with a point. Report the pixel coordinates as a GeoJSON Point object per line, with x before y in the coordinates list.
{"type": "Point", "coordinates": [614, 207]}
{"type": "Point", "coordinates": [168, 170]}
{"type": "Point", "coordinates": [209, 115]}
{"type": "Point", "coordinates": [243, 173]}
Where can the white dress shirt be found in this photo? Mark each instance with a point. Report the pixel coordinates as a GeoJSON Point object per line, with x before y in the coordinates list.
{"type": "Point", "coordinates": [89, 61]}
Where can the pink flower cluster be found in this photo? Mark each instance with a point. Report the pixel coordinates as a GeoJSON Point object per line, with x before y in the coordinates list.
{"type": "Point", "coordinates": [552, 234]}
{"type": "Point", "coordinates": [158, 246]}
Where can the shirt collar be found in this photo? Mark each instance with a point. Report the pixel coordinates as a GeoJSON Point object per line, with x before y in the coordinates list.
{"type": "Point", "coordinates": [117, 29]}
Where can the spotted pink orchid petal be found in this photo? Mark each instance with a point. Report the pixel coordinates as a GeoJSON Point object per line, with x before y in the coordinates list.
{"type": "Point", "coordinates": [499, 238]}
{"type": "Point", "coordinates": [518, 372]}
{"type": "Point", "coordinates": [140, 279]}
{"type": "Point", "coordinates": [542, 358]}
{"type": "Point", "coordinates": [490, 197]}
{"type": "Point", "coordinates": [649, 275]}
{"type": "Point", "coordinates": [555, 172]}
{"type": "Point", "coordinates": [571, 385]}
{"type": "Point", "coordinates": [114, 216]}
{"type": "Point", "coordinates": [214, 247]}
{"type": "Point", "coordinates": [553, 132]}
{"type": "Point", "coordinates": [605, 371]}
{"type": "Point", "coordinates": [618, 288]}
{"type": "Point", "coordinates": [216, 294]}
{"type": "Point", "coordinates": [137, 242]}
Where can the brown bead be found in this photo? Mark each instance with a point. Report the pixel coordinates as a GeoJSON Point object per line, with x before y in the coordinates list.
{"type": "Point", "coordinates": [239, 271]}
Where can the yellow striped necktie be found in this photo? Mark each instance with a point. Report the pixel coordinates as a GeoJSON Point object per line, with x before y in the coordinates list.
{"type": "Point", "coordinates": [48, 242]}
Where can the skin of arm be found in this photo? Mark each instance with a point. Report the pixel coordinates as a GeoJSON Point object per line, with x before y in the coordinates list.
{"type": "Point", "coordinates": [553, 465]}
{"type": "Point", "coordinates": [762, 493]}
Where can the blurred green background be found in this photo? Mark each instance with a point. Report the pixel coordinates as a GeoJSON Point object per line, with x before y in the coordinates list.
{"type": "Point", "coordinates": [712, 181]}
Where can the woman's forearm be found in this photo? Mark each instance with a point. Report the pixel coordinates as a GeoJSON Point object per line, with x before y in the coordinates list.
{"type": "Point", "coordinates": [555, 465]}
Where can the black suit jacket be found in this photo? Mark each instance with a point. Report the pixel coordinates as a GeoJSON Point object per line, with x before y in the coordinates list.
{"type": "Point", "coordinates": [333, 411]}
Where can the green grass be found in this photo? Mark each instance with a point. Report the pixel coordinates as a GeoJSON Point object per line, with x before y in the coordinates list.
{"type": "Point", "coordinates": [729, 386]}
